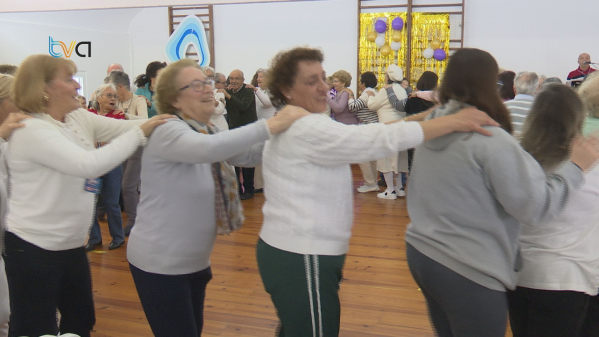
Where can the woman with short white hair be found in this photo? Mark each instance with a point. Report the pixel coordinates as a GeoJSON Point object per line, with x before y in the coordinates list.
{"type": "Point", "coordinates": [110, 190]}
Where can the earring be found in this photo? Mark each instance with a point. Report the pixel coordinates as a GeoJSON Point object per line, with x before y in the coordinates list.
{"type": "Point", "coordinates": [46, 98]}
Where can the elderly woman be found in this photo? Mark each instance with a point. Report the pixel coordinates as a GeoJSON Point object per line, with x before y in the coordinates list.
{"type": "Point", "coordinates": [367, 84]}
{"type": "Point", "coordinates": [134, 107]}
{"type": "Point", "coordinates": [340, 103]}
{"type": "Point", "coordinates": [53, 165]}
{"type": "Point", "coordinates": [558, 284]}
{"type": "Point", "coordinates": [392, 165]}
{"type": "Point", "coordinates": [467, 197]}
{"type": "Point", "coordinates": [189, 195]}
{"type": "Point", "coordinates": [307, 228]}
{"type": "Point", "coordinates": [264, 109]}
{"type": "Point", "coordinates": [10, 119]}
{"type": "Point", "coordinates": [110, 190]}
{"type": "Point", "coordinates": [146, 83]}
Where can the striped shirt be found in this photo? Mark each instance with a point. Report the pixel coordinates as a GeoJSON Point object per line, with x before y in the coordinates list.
{"type": "Point", "coordinates": [360, 107]}
{"type": "Point", "coordinates": [519, 108]}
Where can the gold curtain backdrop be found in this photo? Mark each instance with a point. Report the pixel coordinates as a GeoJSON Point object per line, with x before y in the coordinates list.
{"type": "Point", "coordinates": [370, 58]}
{"type": "Point", "coordinates": [425, 29]}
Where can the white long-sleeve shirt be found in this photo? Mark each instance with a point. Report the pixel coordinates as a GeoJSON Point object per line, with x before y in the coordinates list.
{"type": "Point", "coordinates": [218, 118]}
{"type": "Point", "coordinates": [301, 216]}
{"type": "Point", "coordinates": [563, 254]}
{"type": "Point", "coordinates": [49, 162]}
{"type": "Point", "coordinates": [264, 107]}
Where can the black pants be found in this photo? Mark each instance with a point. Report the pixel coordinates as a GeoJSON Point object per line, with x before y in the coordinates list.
{"type": "Point", "coordinates": [590, 327]}
{"type": "Point", "coordinates": [547, 313]}
{"type": "Point", "coordinates": [173, 304]}
{"type": "Point", "coordinates": [248, 179]}
{"type": "Point", "coordinates": [457, 306]}
{"type": "Point", "coordinates": [41, 281]}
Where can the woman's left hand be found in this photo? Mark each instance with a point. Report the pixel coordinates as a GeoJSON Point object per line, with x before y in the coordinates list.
{"type": "Point", "coordinates": [250, 86]}
{"type": "Point", "coordinates": [12, 122]}
{"type": "Point", "coordinates": [472, 119]}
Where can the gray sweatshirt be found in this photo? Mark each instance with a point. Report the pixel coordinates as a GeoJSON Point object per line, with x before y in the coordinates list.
{"type": "Point", "coordinates": [468, 194]}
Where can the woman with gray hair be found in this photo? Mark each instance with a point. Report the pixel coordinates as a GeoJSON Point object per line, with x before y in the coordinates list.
{"type": "Point", "coordinates": [54, 165]}
{"type": "Point", "coordinates": [133, 106]}
{"type": "Point", "coordinates": [190, 195]}
{"type": "Point", "coordinates": [110, 189]}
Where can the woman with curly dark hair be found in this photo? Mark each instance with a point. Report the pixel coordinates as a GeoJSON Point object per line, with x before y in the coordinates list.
{"type": "Point", "coordinates": [307, 227]}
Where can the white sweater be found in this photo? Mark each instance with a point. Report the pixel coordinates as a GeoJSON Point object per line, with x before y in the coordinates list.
{"type": "Point", "coordinates": [308, 182]}
{"type": "Point", "coordinates": [48, 163]}
{"type": "Point", "coordinates": [264, 107]}
{"type": "Point", "coordinates": [563, 254]}
{"type": "Point", "coordinates": [218, 118]}
{"type": "Point", "coordinates": [380, 103]}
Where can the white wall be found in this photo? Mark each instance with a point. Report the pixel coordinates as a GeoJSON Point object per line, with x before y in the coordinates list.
{"type": "Point", "coordinates": [148, 33]}
{"type": "Point", "coordinates": [522, 35]}
{"type": "Point", "coordinates": [535, 35]}
{"type": "Point", "coordinates": [249, 36]}
{"type": "Point", "coordinates": [24, 34]}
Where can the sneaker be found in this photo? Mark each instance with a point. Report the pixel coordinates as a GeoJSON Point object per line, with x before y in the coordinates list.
{"type": "Point", "coordinates": [368, 188]}
{"type": "Point", "coordinates": [400, 192]}
{"type": "Point", "coordinates": [387, 195]}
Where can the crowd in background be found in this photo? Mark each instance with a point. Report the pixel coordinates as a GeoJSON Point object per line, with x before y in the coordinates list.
{"type": "Point", "coordinates": [498, 169]}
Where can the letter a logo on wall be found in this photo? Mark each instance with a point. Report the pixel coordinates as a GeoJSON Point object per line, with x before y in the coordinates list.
{"type": "Point", "coordinates": [189, 32]}
{"type": "Point", "coordinates": [68, 51]}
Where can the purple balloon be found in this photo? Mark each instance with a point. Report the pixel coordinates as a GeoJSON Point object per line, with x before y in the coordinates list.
{"type": "Point", "coordinates": [380, 26]}
{"type": "Point", "coordinates": [397, 23]}
{"type": "Point", "coordinates": [439, 55]}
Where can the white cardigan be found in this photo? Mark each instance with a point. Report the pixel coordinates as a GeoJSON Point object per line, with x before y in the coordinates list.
{"type": "Point", "coordinates": [308, 182]}
{"type": "Point", "coordinates": [563, 254]}
{"type": "Point", "coordinates": [48, 163]}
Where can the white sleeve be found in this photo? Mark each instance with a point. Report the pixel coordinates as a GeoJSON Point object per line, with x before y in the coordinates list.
{"type": "Point", "coordinates": [263, 97]}
{"type": "Point", "coordinates": [45, 144]}
{"type": "Point", "coordinates": [327, 142]}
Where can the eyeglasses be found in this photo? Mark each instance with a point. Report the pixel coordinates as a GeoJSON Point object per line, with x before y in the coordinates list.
{"type": "Point", "coordinates": [198, 85]}
{"type": "Point", "coordinates": [111, 96]}
{"type": "Point", "coordinates": [499, 85]}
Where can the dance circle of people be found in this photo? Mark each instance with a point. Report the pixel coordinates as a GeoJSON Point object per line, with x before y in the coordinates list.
{"type": "Point", "coordinates": [499, 170]}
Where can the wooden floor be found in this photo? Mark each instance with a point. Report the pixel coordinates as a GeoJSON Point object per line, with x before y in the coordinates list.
{"type": "Point", "coordinates": [378, 295]}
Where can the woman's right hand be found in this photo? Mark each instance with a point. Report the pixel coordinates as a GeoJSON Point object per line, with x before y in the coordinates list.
{"type": "Point", "coordinates": [153, 122]}
{"type": "Point", "coordinates": [284, 118]}
{"type": "Point", "coordinates": [585, 152]}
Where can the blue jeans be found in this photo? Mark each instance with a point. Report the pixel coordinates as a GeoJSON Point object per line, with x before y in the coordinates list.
{"type": "Point", "coordinates": [173, 304]}
{"type": "Point", "coordinates": [111, 191]}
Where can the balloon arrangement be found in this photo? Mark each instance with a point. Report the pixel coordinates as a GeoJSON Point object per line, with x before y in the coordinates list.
{"type": "Point", "coordinates": [434, 50]}
{"type": "Point", "coordinates": [378, 35]}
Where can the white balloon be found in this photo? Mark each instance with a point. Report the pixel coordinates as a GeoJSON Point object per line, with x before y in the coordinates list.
{"type": "Point", "coordinates": [428, 53]}
{"type": "Point", "coordinates": [384, 19]}
{"type": "Point", "coordinates": [395, 46]}
{"type": "Point", "coordinates": [380, 41]}
{"type": "Point", "coordinates": [383, 35]}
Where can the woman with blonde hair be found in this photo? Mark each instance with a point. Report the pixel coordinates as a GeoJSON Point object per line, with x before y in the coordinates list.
{"type": "Point", "coordinates": [557, 289]}
{"type": "Point", "coordinates": [54, 166]}
{"type": "Point", "coordinates": [340, 103]}
{"type": "Point", "coordinates": [10, 118]}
